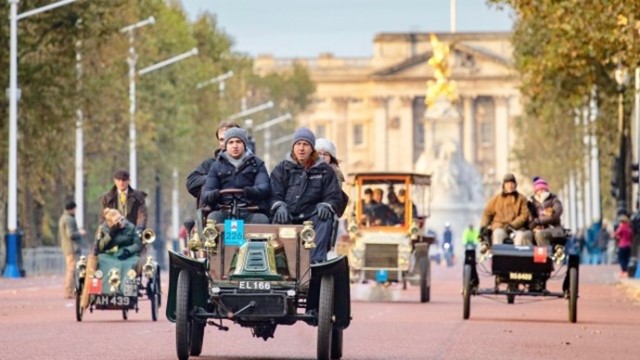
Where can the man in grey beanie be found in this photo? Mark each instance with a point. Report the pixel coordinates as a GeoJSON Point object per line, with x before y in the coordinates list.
{"type": "Point", "coordinates": [238, 168]}
{"type": "Point", "coordinates": [304, 188]}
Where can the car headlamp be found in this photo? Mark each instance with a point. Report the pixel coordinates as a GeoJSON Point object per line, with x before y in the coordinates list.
{"type": "Point", "coordinates": [558, 254]}
{"type": "Point", "coordinates": [81, 266]}
{"type": "Point", "coordinates": [131, 274]}
{"type": "Point", "coordinates": [308, 235]}
{"type": "Point", "coordinates": [209, 235]}
{"type": "Point", "coordinates": [413, 230]}
{"type": "Point", "coordinates": [148, 268]}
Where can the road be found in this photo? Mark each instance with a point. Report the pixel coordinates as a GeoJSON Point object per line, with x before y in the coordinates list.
{"type": "Point", "coordinates": [37, 323]}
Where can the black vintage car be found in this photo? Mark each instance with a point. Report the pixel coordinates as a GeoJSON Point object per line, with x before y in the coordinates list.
{"type": "Point", "coordinates": [522, 271]}
{"type": "Point", "coordinates": [258, 276]}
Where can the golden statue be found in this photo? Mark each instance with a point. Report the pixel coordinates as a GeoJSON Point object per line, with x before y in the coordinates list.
{"type": "Point", "coordinates": [440, 64]}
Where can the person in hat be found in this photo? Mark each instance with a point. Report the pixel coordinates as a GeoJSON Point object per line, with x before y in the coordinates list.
{"type": "Point", "coordinates": [127, 200]}
{"type": "Point", "coordinates": [327, 152]}
{"type": "Point", "coordinates": [198, 177]}
{"type": "Point", "coordinates": [117, 236]}
{"type": "Point", "coordinates": [236, 167]}
{"type": "Point", "coordinates": [624, 237]}
{"type": "Point", "coordinates": [306, 188]}
{"type": "Point", "coordinates": [70, 238]}
{"type": "Point", "coordinates": [506, 212]}
{"type": "Point", "coordinates": [545, 212]}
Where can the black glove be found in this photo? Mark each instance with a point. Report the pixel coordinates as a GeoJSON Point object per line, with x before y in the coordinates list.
{"type": "Point", "coordinates": [125, 254]}
{"type": "Point", "coordinates": [250, 192]}
{"type": "Point", "coordinates": [324, 212]}
{"type": "Point", "coordinates": [282, 216]}
{"type": "Point", "coordinates": [211, 197]}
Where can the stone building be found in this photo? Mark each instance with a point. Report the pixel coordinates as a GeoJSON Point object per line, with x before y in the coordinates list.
{"type": "Point", "coordinates": [373, 108]}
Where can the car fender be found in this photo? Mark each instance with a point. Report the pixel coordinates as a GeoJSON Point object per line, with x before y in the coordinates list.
{"type": "Point", "coordinates": [199, 282]}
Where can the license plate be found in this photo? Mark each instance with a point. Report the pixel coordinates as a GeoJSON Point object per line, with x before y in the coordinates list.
{"type": "Point", "coordinates": [112, 300]}
{"type": "Point", "coordinates": [255, 285]}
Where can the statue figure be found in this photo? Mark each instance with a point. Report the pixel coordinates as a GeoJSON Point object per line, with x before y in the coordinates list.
{"type": "Point", "coordinates": [440, 63]}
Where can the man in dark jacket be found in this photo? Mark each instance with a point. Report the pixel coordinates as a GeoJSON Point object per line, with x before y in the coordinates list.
{"type": "Point", "coordinates": [306, 188]}
{"type": "Point", "coordinates": [236, 167]}
{"type": "Point", "coordinates": [198, 177]}
{"type": "Point", "coordinates": [125, 199]}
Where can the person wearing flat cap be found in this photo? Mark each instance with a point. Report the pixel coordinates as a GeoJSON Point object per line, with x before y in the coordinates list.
{"type": "Point", "coordinates": [507, 211]}
{"type": "Point", "coordinates": [545, 214]}
{"type": "Point", "coordinates": [127, 200]}
{"type": "Point", "coordinates": [304, 188]}
{"type": "Point", "coordinates": [236, 167]}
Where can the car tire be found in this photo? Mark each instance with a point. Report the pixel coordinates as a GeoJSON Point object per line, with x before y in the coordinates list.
{"type": "Point", "coordinates": [425, 291]}
{"type": "Point", "coordinates": [125, 314]}
{"type": "Point", "coordinates": [466, 292]}
{"type": "Point", "coordinates": [336, 343]}
{"type": "Point", "coordinates": [183, 323]}
{"type": "Point", "coordinates": [197, 338]}
{"type": "Point", "coordinates": [573, 294]}
{"type": "Point", "coordinates": [79, 309]}
{"type": "Point", "coordinates": [152, 291]}
{"type": "Point", "coordinates": [325, 314]}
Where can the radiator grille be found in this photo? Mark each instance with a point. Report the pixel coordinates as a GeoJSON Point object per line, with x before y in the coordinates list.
{"type": "Point", "coordinates": [381, 255]}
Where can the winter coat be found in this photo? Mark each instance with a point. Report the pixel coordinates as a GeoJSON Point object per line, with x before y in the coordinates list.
{"type": "Point", "coordinates": [624, 235]}
{"type": "Point", "coordinates": [117, 240]}
{"type": "Point", "coordinates": [198, 177]}
{"type": "Point", "coordinates": [303, 189]}
{"type": "Point", "coordinates": [68, 234]}
{"type": "Point", "coordinates": [548, 212]}
{"type": "Point", "coordinates": [136, 207]}
{"type": "Point", "coordinates": [505, 209]}
{"type": "Point", "coordinates": [251, 173]}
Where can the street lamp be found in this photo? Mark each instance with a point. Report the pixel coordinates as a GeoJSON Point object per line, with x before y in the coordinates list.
{"type": "Point", "coordinates": [218, 79]}
{"type": "Point", "coordinates": [11, 267]}
{"type": "Point", "coordinates": [266, 126]}
{"type": "Point", "coordinates": [253, 110]}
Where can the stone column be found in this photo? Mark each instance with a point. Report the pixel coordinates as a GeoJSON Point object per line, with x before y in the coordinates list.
{"type": "Point", "coordinates": [381, 115]}
{"type": "Point", "coordinates": [402, 144]}
{"type": "Point", "coordinates": [340, 130]}
{"type": "Point", "coordinates": [502, 139]}
{"type": "Point", "coordinates": [469, 129]}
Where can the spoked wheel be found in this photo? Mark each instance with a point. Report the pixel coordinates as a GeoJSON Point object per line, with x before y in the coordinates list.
{"type": "Point", "coordinates": [158, 286]}
{"type": "Point", "coordinates": [425, 288]}
{"type": "Point", "coordinates": [466, 292]}
{"type": "Point", "coordinates": [183, 323]}
{"type": "Point", "coordinates": [511, 299]}
{"type": "Point", "coordinates": [125, 314]}
{"type": "Point", "coordinates": [573, 294]}
{"type": "Point", "coordinates": [79, 309]}
{"type": "Point", "coordinates": [336, 343]}
{"type": "Point", "coordinates": [197, 337]}
{"type": "Point", "coordinates": [325, 314]}
{"type": "Point", "coordinates": [152, 293]}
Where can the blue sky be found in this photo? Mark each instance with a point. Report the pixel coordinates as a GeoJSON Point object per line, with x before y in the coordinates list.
{"type": "Point", "coordinates": [343, 27]}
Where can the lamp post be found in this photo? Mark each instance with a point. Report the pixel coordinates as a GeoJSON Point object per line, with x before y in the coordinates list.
{"type": "Point", "coordinates": [621, 76]}
{"type": "Point", "coordinates": [132, 61]}
{"type": "Point", "coordinates": [266, 126]}
{"type": "Point", "coordinates": [13, 240]}
{"type": "Point", "coordinates": [218, 79]}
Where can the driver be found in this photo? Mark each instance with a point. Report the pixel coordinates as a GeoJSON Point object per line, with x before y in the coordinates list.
{"type": "Point", "coordinates": [306, 188]}
{"type": "Point", "coordinates": [117, 236]}
{"type": "Point", "coordinates": [238, 168]}
{"type": "Point", "coordinates": [507, 211]}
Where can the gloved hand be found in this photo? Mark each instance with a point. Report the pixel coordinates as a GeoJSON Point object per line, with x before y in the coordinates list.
{"type": "Point", "coordinates": [211, 197]}
{"type": "Point", "coordinates": [282, 216]}
{"type": "Point", "coordinates": [124, 255]}
{"type": "Point", "coordinates": [324, 212]}
{"type": "Point", "coordinates": [250, 192]}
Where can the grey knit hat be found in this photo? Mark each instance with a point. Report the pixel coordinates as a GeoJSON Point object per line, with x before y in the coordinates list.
{"type": "Point", "coordinates": [304, 134]}
{"type": "Point", "coordinates": [236, 133]}
{"type": "Point", "coordinates": [323, 144]}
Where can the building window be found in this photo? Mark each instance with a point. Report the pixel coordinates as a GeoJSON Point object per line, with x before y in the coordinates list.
{"type": "Point", "coordinates": [486, 133]}
{"type": "Point", "coordinates": [321, 131]}
{"type": "Point", "coordinates": [358, 134]}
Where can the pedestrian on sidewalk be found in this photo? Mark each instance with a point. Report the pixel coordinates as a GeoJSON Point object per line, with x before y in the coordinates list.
{"type": "Point", "coordinates": [624, 236]}
{"type": "Point", "coordinates": [70, 238]}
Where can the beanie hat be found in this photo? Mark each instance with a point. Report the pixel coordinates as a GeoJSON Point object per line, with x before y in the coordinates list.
{"type": "Point", "coordinates": [70, 204]}
{"type": "Point", "coordinates": [238, 133]}
{"type": "Point", "coordinates": [323, 144]}
{"type": "Point", "coordinates": [509, 178]}
{"type": "Point", "coordinates": [304, 134]}
{"type": "Point", "coordinates": [540, 184]}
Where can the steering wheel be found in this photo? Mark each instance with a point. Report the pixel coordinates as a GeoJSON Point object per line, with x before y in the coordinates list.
{"type": "Point", "coordinates": [232, 200]}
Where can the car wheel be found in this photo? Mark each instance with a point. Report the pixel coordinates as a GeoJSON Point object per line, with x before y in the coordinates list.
{"type": "Point", "coordinates": [159, 286]}
{"type": "Point", "coordinates": [79, 309]}
{"type": "Point", "coordinates": [197, 337]}
{"type": "Point", "coordinates": [325, 314]}
{"type": "Point", "coordinates": [152, 291]}
{"type": "Point", "coordinates": [336, 343]}
{"type": "Point", "coordinates": [573, 294]}
{"type": "Point", "coordinates": [125, 314]}
{"type": "Point", "coordinates": [424, 283]}
{"type": "Point", "coordinates": [466, 292]}
{"type": "Point", "coordinates": [183, 323]}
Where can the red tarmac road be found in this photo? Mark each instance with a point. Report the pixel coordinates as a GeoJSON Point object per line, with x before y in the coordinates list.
{"type": "Point", "coordinates": [36, 323]}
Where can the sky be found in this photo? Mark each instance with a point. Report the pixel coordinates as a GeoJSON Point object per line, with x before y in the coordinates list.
{"type": "Point", "coordinates": [305, 28]}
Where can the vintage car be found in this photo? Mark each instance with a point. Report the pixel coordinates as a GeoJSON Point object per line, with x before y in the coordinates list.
{"type": "Point", "coordinates": [522, 271]}
{"type": "Point", "coordinates": [104, 282]}
{"type": "Point", "coordinates": [258, 276]}
{"type": "Point", "coordinates": [388, 236]}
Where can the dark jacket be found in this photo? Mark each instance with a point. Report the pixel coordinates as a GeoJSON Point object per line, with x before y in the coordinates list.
{"type": "Point", "coordinates": [136, 208]}
{"type": "Point", "coordinates": [301, 190]}
{"type": "Point", "coordinates": [198, 177]}
{"type": "Point", "coordinates": [548, 212]}
{"type": "Point", "coordinates": [123, 238]}
{"type": "Point", "coordinates": [251, 173]}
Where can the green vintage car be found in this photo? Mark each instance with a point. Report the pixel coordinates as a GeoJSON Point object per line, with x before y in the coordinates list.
{"type": "Point", "coordinates": [105, 282]}
{"type": "Point", "coordinates": [257, 276]}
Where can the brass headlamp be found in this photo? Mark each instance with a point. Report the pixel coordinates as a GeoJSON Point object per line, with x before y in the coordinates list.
{"type": "Point", "coordinates": [81, 266]}
{"type": "Point", "coordinates": [209, 234]}
{"type": "Point", "coordinates": [413, 230]}
{"type": "Point", "coordinates": [558, 254]}
{"type": "Point", "coordinates": [308, 235]}
{"type": "Point", "coordinates": [148, 268]}
{"type": "Point", "coordinates": [114, 280]}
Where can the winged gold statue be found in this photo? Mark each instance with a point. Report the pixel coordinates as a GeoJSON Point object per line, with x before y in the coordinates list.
{"type": "Point", "coordinates": [442, 86]}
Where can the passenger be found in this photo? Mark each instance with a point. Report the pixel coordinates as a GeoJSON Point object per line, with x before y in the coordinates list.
{"type": "Point", "coordinates": [327, 152]}
{"type": "Point", "coordinates": [402, 198]}
{"type": "Point", "coordinates": [126, 200]}
{"type": "Point", "coordinates": [236, 167]}
{"type": "Point", "coordinates": [117, 236]}
{"type": "Point", "coordinates": [378, 194]}
{"type": "Point", "coordinates": [198, 177]}
{"type": "Point", "coordinates": [395, 204]}
{"type": "Point", "coordinates": [507, 211]}
{"type": "Point", "coordinates": [545, 214]}
{"type": "Point", "coordinates": [306, 188]}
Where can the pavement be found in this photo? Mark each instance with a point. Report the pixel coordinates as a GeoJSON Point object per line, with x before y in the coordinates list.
{"type": "Point", "coordinates": [632, 286]}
